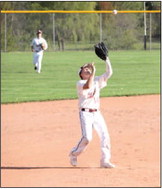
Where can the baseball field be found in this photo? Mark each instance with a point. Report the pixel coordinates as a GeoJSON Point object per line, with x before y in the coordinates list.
{"type": "Point", "coordinates": [40, 122]}
{"type": "Point", "coordinates": [135, 73]}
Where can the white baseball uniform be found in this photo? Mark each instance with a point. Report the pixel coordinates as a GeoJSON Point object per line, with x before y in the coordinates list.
{"type": "Point", "coordinates": [90, 115]}
{"type": "Point", "coordinates": [38, 52]}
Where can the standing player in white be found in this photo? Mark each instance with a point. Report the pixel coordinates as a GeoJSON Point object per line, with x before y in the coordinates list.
{"type": "Point", "coordinates": [88, 89]}
{"type": "Point", "coordinates": [38, 45]}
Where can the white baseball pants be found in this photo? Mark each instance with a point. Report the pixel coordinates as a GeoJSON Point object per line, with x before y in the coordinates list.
{"type": "Point", "coordinates": [90, 120]}
{"type": "Point", "coordinates": [37, 60]}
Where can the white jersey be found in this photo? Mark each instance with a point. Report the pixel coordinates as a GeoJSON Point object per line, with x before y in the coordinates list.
{"type": "Point", "coordinates": [89, 98]}
{"type": "Point", "coordinates": [36, 43]}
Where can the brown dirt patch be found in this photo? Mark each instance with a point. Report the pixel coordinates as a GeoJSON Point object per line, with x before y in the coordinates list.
{"type": "Point", "coordinates": [37, 137]}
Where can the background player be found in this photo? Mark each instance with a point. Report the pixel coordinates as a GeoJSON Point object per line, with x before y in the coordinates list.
{"type": "Point", "coordinates": [38, 45]}
{"type": "Point", "coordinates": [88, 89]}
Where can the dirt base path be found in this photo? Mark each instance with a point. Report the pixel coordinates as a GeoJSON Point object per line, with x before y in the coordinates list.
{"type": "Point", "coordinates": [37, 138]}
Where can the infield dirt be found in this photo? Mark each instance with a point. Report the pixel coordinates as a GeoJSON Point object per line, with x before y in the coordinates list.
{"type": "Point", "coordinates": [37, 137]}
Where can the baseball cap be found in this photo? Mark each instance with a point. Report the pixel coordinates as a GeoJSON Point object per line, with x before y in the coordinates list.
{"type": "Point", "coordinates": [39, 31]}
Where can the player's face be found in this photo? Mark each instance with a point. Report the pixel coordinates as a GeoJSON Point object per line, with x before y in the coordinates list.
{"type": "Point", "coordinates": [86, 72]}
{"type": "Point", "coordinates": [39, 35]}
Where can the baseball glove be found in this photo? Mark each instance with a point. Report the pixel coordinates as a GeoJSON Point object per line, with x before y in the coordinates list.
{"type": "Point", "coordinates": [101, 50]}
{"type": "Point", "coordinates": [43, 46]}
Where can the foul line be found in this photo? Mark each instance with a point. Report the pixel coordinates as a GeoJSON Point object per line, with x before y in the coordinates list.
{"type": "Point", "coordinates": [72, 11]}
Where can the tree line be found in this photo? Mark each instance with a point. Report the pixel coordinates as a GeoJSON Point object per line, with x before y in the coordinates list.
{"type": "Point", "coordinates": [121, 31]}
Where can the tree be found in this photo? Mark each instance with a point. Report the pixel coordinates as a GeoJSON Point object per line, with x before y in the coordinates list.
{"type": "Point", "coordinates": [119, 31]}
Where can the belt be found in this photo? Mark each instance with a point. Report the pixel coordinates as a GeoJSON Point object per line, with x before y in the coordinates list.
{"type": "Point", "coordinates": [88, 110]}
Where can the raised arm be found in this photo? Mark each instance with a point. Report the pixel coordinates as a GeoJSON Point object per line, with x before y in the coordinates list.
{"type": "Point", "coordinates": [109, 70]}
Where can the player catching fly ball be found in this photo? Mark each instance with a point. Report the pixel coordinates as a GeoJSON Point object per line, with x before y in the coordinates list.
{"type": "Point", "coordinates": [88, 89]}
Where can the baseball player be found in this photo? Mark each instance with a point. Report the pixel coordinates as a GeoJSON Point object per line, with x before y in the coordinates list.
{"type": "Point", "coordinates": [88, 89]}
{"type": "Point", "coordinates": [38, 45]}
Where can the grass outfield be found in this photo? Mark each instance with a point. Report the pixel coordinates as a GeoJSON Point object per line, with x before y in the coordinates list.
{"type": "Point", "coordinates": [134, 73]}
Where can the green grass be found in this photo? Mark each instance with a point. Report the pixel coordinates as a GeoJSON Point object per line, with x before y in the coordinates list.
{"type": "Point", "coordinates": [134, 73]}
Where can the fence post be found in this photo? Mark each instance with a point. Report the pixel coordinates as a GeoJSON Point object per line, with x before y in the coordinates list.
{"type": "Point", "coordinates": [53, 31]}
{"type": "Point", "coordinates": [100, 27]}
{"type": "Point", "coordinates": [144, 26]}
{"type": "Point", "coordinates": [150, 31]}
{"type": "Point", "coordinates": [5, 48]}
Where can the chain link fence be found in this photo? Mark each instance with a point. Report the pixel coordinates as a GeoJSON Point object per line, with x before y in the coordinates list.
{"type": "Point", "coordinates": [80, 31]}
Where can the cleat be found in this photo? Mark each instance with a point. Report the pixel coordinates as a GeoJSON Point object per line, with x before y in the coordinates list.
{"type": "Point", "coordinates": [107, 165]}
{"type": "Point", "coordinates": [73, 160]}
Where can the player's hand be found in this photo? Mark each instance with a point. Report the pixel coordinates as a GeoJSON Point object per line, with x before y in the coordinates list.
{"type": "Point", "coordinates": [93, 68]}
